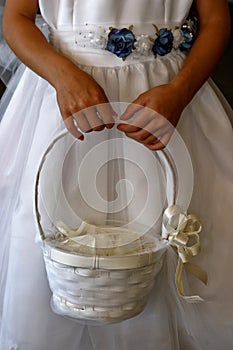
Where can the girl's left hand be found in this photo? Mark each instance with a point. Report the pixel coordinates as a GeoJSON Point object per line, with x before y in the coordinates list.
{"type": "Point", "coordinates": [158, 111]}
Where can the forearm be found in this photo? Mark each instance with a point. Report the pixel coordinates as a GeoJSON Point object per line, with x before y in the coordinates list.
{"type": "Point", "coordinates": [204, 55]}
{"type": "Point", "coordinates": [32, 48]}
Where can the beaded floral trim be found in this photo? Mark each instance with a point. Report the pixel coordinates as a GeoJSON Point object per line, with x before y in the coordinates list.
{"type": "Point", "coordinates": [123, 42]}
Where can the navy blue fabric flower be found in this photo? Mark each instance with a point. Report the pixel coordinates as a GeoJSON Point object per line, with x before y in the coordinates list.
{"type": "Point", "coordinates": [188, 32]}
{"type": "Point", "coordinates": [121, 42]}
{"type": "Point", "coordinates": [163, 43]}
{"type": "Point", "coordinates": [188, 37]}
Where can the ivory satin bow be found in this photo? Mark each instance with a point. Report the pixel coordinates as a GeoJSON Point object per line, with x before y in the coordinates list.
{"type": "Point", "coordinates": [182, 232]}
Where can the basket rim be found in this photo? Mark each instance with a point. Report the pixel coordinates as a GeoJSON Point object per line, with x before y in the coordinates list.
{"type": "Point", "coordinates": [116, 262]}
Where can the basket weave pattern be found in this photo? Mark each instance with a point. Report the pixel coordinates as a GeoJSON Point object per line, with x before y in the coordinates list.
{"type": "Point", "coordinates": [99, 294]}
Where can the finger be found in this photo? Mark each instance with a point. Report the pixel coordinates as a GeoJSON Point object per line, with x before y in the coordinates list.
{"type": "Point", "coordinates": [139, 136]}
{"type": "Point", "coordinates": [93, 118]}
{"type": "Point", "coordinates": [146, 119]}
{"type": "Point", "coordinates": [106, 114]}
{"type": "Point", "coordinates": [130, 111]}
{"type": "Point", "coordinates": [160, 144]}
{"type": "Point", "coordinates": [145, 137]}
{"type": "Point", "coordinates": [157, 127]}
{"type": "Point", "coordinates": [71, 127]}
{"type": "Point", "coordinates": [161, 126]}
{"type": "Point", "coordinates": [141, 121]}
{"type": "Point", "coordinates": [127, 128]}
{"type": "Point", "coordinates": [82, 121]}
{"type": "Point", "coordinates": [151, 140]}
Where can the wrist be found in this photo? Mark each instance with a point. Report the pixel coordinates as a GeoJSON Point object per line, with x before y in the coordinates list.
{"type": "Point", "coordinates": [184, 88]}
{"type": "Point", "coordinates": [59, 71]}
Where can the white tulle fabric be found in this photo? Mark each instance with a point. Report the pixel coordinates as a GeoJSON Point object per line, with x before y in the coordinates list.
{"type": "Point", "coordinates": [8, 61]}
{"type": "Point", "coordinates": [32, 119]}
{"type": "Point", "coordinates": [10, 65]}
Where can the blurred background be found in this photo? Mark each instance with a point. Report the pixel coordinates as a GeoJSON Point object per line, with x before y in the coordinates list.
{"type": "Point", "coordinates": [223, 74]}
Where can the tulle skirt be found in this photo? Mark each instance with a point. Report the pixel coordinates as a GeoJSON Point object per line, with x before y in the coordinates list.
{"type": "Point", "coordinates": [31, 120]}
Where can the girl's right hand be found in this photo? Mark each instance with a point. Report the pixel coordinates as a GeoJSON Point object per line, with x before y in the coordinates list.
{"type": "Point", "coordinates": [76, 90]}
{"type": "Point", "coordinates": [82, 102]}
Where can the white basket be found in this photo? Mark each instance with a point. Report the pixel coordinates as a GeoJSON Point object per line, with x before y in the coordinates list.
{"type": "Point", "coordinates": [101, 289]}
{"type": "Point", "coordinates": [95, 287]}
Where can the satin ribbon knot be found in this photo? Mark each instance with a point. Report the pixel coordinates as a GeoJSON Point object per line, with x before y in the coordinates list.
{"type": "Point", "coordinates": [182, 232]}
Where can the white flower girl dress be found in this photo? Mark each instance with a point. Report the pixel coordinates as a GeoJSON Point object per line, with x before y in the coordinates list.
{"type": "Point", "coordinates": [30, 122]}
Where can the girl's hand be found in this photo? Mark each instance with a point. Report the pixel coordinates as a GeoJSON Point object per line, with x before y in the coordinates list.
{"type": "Point", "coordinates": [158, 111]}
{"type": "Point", "coordinates": [82, 102]}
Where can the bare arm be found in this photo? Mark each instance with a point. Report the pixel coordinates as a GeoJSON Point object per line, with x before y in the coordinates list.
{"type": "Point", "coordinates": [170, 99]}
{"type": "Point", "coordinates": [75, 89]}
{"type": "Point", "coordinates": [27, 41]}
{"type": "Point", "coordinates": [214, 30]}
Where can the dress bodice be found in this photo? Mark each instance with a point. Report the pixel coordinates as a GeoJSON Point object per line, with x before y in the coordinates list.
{"type": "Point", "coordinates": [67, 14]}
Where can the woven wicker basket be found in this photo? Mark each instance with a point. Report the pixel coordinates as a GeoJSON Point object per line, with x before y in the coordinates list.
{"type": "Point", "coordinates": [99, 286]}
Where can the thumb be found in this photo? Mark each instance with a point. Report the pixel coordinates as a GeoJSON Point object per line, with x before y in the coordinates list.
{"type": "Point", "coordinates": [131, 109]}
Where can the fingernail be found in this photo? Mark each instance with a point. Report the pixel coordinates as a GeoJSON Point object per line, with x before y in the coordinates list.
{"type": "Point", "coordinates": [81, 138]}
{"type": "Point", "coordinates": [119, 126]}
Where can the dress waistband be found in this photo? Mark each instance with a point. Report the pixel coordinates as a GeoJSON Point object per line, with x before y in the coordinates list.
{"type": "Point", "coordinates": [135, 42]}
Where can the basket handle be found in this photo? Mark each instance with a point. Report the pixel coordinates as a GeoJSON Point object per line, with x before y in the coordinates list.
{"type": "Point", "coordinates": [48, 149]}
{"type": "Point", "coordinates": [164, 157]}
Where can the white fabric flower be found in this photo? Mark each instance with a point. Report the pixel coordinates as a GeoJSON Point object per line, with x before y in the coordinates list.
{"type": "Point", "coordinates": [177, 35]}
{"type": "Point", "coordinates": [143, 46]}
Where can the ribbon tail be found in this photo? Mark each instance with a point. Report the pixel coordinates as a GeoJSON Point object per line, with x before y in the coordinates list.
{"type": "Point", "coordinates": [180, 286]}
{"type": "Point", "coordinates": [197, 271]}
